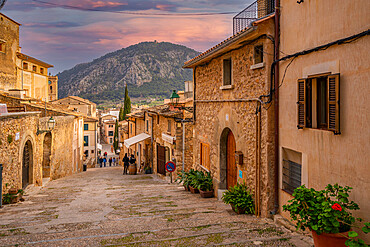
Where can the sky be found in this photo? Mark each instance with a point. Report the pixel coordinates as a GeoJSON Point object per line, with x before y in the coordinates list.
{"type": "Point", "coordinates": [68, 32]}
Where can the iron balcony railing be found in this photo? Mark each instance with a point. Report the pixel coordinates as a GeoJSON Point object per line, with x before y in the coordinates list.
{"type": "Point", "coordinates": [256, 10]}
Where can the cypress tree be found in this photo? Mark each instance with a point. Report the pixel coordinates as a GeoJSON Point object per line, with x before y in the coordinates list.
{"type": "Point", "coordinates": [115, 137]}
{"type": "Point", "coordinates": [121, 118]}
{"type": "Point", "coordinates": [127, 104]}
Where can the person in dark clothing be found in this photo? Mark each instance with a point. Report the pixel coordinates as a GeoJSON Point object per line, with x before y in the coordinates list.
{"type": "Point", "coordinates": [132, 159]}
{"type": "Point", "coordinates": [110, 161]}
{"type": "Point", "coordinates": [126, 163]}
{"type": "Point", "coordinates": [105, 161]}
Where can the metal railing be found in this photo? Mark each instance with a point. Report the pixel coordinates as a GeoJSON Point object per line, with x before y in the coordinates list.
{"type": "Point", "coordinates": [254, 11]}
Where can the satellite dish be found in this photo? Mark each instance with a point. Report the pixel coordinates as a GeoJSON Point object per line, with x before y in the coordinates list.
{"type": "Point", "coordinates": [2, 3]}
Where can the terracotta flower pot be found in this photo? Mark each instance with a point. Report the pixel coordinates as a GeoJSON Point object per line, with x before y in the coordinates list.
{"type": "Point", "coordinates": [237, 210]}
{"type": "Point", "coordinates": [206, 194]}
{"type": "Point", "coordinates": [193, 190]}
{"type": "Point", "coordinates": [329, 239]}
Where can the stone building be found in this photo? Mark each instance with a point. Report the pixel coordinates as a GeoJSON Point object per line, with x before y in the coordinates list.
{"type": "Point", "coordinates": [32, 77]}
{"type": "Point", "coordinates": [53, 88]}
{"type": "Point", "coordinates": [90, 140]}
{"type": "Point", "coordinates": [324, 138]}
{"type": "Point", "coordinates": [31, 152]}
{"type": "Point", "coordinates": [20, 75]}
{"type": "Point", "coordinates": [233, 128]}
{"type": "Point", "coordinates": [155, 136]}
{"type": "Point", "coordinates": [78, 104]}
{"type": "Point", "coordinates": [9, 45]}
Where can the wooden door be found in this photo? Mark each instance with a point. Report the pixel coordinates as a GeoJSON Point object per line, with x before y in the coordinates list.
{"type": "Point", "coordinates": [26, 164]}
{"type": "Point", "coordinates": [161, 160]}
{"type": "Point", "coordinates": [231, 172]}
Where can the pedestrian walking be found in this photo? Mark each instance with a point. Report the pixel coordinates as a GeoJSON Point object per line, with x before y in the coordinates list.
{"type": "Point", "coordinates": [101, 161]}
{"type": "Point", "coordinates": [126, 163]}
{"type": "Point", "coordinates": [114, 161]}
{"type": "Point", "coordinates": [105, 162]}
{"type": "Point", "coordinates": [110, 161]}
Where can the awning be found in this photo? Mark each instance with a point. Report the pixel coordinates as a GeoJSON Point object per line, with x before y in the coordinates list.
{"type": "Point", "coordinates": [138, 138]}
{"type": "Point", "coordinates": [168, 138]}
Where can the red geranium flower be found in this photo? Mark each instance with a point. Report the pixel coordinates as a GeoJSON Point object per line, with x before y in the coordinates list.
{"type": "Point", "coordinates": [337, 207]}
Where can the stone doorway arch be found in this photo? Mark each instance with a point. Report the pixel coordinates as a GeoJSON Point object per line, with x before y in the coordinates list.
{"type": "Point", "coordinates": [46, 156]}
{"type": "Point", "coordinates": [27, 164]}
{"type": "Point", "coordinates": [228, 169]}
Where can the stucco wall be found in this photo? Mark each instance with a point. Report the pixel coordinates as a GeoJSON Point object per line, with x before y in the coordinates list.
{"type": "Point", "coordinates": [329, 158]}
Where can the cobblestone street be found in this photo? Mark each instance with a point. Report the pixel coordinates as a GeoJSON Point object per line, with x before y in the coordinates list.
{"type": "Point", "coordinates": [101, 207]}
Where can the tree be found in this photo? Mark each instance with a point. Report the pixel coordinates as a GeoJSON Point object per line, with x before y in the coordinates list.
{"type": "Point", "coordinates": [115, 137]}
{"type": "Point", "coordinates": [121, 117]}
{"type": "Point", "coordinates": [127, 104]}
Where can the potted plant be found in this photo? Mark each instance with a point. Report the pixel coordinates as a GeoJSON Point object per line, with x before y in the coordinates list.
{"type": "Point", "coordinates": [193, 177]}
{"type": "Point", "coordinates": [240, 198]}
{"type": "Point", "coordinates": [327, 213]}
{"type": "Point", "coordinates": [205, 185]}
{"type": "Point", "coordinates": [182, 177]}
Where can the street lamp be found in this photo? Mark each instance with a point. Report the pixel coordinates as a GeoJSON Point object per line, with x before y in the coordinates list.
{"type": "Point", "coordinates": [174, 98]}
{"type": "Point", "coordinates": [50, 125]}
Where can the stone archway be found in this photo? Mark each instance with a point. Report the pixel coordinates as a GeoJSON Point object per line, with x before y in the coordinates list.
{"type": "Point", "coordinates": [46, 156]}
{"type": "Point", "coordinates": [228, 169]}
{"type": "Point", "coordinates": [27, 164]}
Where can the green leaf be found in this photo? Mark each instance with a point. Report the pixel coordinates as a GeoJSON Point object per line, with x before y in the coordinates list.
{"type": "Point", "coordinates": [352, 234]}
{"type": "Point", "coordinates": [314, 228]}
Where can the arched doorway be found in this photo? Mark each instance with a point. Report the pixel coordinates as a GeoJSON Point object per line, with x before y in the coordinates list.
{"type": "Point", "coordinates": [228, 171]}
{"type": "Point", "coordinates": [46, 156]}
{"type": "Point", "coordinates": [27, 164]}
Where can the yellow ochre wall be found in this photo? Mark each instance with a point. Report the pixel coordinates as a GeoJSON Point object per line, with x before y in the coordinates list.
{"type": "Point", "coordinates": [328, 158]}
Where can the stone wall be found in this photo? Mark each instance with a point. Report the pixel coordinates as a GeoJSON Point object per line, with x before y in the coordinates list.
{"type": "Point", "coordinates": [16, 130]}
{"type": "Point", "coordinates": [21, 128]}
{"type": "Point", "coordinates": [215, 119]}
{"type": "Point", "coordinates": [61, 147]}
{"type": "Point", "coordinates": [9, 32]}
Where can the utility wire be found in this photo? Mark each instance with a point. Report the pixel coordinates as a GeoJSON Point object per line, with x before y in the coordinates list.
{"type": "Point", "coordinates": [131, 13]}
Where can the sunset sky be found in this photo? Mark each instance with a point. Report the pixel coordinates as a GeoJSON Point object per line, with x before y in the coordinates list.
{"type": "Point", "coordinates": [65, 35]}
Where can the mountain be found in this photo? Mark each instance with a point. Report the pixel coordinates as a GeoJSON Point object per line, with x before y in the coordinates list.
{"type": "Point", "coordinates": [150, 69]}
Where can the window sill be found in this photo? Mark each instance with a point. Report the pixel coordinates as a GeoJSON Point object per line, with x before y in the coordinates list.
{"type": "Point", "coordinates": [227, 87]}
{"type": "Point", "coordinates": [258, 66]}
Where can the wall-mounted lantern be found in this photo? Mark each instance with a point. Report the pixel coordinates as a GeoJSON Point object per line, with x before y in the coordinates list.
{"type": "Point", "coordinates": [50, 125]}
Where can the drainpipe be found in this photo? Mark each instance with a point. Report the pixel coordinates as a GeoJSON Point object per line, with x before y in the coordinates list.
{"type": "Point", "coordinates": [258, 161]}
{"type": "Point", "coordinates": [276, 102]}
{"type": "Point", "coordinates": [194, 93]}
{"type": "Point", "coordinates": [1, 185]}
{"type": "Point", "coordinates": [183, 146]}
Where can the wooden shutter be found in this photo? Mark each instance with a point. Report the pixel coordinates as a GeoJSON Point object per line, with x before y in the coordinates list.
{"type": "Point", "coordinates": [333, 103]}
{"type": "Point", "coordinates": [301, 103]}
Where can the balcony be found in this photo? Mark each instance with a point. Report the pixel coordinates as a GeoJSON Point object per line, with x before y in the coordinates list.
{"type": "Point", "coordinates": [256, 10]}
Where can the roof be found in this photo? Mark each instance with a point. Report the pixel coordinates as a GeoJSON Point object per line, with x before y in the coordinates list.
{"type": "Point", "coordinates": [86, 101]}
{"type": "Point", "coordinates": [34, 60]}
{"type": "Point", "coordinates": [225, 45]}
{"type": "Point", "coordinates": [10, 19]}
{"type": "Point", "coordinates": [164, 110]}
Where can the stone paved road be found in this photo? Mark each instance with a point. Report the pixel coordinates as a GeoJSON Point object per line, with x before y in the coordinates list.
{"type": "Point", "coordinates": [101, 207]}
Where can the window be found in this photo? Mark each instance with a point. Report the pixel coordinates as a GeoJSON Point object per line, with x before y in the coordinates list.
{"type": "Point", "coordinates": [318, 103]}
{"type": "Point", "coordinates": [111, 140]}
{"type": "Point", "coordinates": [86, 153]}
{"type": "Point", "coordinates": [86, 126]}
{"type": "Point", "coordinates": [169, 126]}
{"type": "Point", "coordinates": [157, 119]}
{"type": "Point", "coordinates": [258, 54]}
{"type": "Point", "coordinates": [92, 151]}
{"type": "Point", "coordinates": [25, 65]}
{"type": "Point", "coordinates": [204, 156]}
{"type": "Point", "coordinates": [110, 133]}
{"type": "Point", "coordinates": [42, 70]}
{"type": "Point", "coordinates": [2, 46]}
{"type": "Point", "coordinates": [130, 128]}
{"type": "Point", "coordinates": [147, 125]}
{"type": "Point", "coordinates": [86, 141]}
{"type": "Point", "coordinates": [51, 89]}
{"type": "Point", "coordinates": [291, 175]}
{"type": "Point", "coordinates": [227, 72]}
{"type": "Point", "coordinates": [34, 68]}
